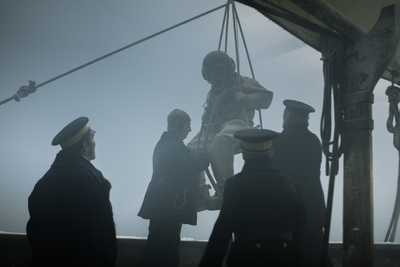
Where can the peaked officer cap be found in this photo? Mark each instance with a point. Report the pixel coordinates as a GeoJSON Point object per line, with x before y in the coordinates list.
{"type": "Point", "coordinates": [72, 133]}
{"type": "Point", "coordinates": [298, 107]}
{"type": "Point", "coordinates": [256, 139]}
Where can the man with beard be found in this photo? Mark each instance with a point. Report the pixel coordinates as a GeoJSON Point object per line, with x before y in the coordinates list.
{"type": "Point", "coordinates": [230, 106]}
{"type": "Point", "coordinates": [71, 220]}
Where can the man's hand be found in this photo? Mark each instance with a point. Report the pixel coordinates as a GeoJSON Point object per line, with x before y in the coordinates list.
{"type": "Point", "coordinates": [240, 97]}
{"type": "Point", "coordinates": [204, 159]}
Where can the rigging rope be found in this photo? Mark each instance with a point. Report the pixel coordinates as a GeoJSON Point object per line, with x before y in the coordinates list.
{"type": "Point", "coordinates": [236, 24]}
{"type": "Point", "coordinates": [333, 79]}
{"type": "Point", "coordinates": [248, 57]}
{"type": "Point", "coordinates": [333, 86]}
{"type": "Point", "coordinates": [226, 19]}
{"type": "Point", "coordinates": [26, 92]}
{"type": "Point", "coordinates": [393, 94]}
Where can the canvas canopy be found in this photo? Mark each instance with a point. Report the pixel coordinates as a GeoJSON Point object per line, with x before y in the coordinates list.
{"type": "Point", "coordinates": [312, 20]}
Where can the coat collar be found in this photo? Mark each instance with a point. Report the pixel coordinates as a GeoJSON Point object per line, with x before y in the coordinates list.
{"type": "Point", "coordinates": [171, 135]}
{"type": "Point", "coordinates": [259, 164]}
{"type": "Point", "coordinates": [295, 127]}
{"type": "Point", "coordinates": [66, 158]}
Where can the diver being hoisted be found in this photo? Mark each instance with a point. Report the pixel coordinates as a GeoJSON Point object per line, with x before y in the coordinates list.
{"type": "Point", "coordinates": [230, 107]}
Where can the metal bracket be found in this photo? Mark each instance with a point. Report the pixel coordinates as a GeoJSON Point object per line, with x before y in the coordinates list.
{"type": "Point", "coordinates": [361, 97]}
{"type": "Point", "coordinates": [361, 124]}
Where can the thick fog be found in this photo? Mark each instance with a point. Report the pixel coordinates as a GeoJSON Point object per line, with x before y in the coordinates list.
{"type": "Point", "coordinates": [128, 96]}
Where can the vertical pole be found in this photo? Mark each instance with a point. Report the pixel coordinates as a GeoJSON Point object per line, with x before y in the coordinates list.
{"type": "Point", "coordinates": [365, 61]}
{"type": "Point", "coordinates": [358, 224]}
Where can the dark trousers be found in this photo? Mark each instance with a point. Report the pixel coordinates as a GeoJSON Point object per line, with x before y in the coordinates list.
{"type": "Point", "coordinates": [162, 245]}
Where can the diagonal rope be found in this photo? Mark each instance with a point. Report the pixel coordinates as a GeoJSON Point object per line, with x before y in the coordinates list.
{"type": "Point", "coordinates": [18, 96]}
{"type": "Point", "coordinates": [244, 43]}
{"type": "Point", "coordinates": [248, 56]}
{"type": "Point", "coordinates": [236, 38]}
{"type": "Point", "coordinates": [225, 20]}
{"type": "Point", "coordinates": [236, 28]}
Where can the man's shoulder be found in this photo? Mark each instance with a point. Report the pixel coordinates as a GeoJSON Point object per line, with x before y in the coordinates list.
{"type": "Point", "coordinates": [297, 131]}
{"type": "Point", "coordinates": [169, 138]}
{"type": "Point", "coordinates": [72, 167]}
{"type": "Point", "coordinates": [262, 177]}
{"type": "Point", "coordinates": [68, 176]}
{"type": "Point", "coordinates": [169, 142]}
{"type": "Point", "coordinates": [261, 172]}
{"type": "Point", "coordinates": [72, 170]}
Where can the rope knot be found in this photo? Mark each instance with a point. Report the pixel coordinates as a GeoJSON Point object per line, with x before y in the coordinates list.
{"type": "Point", "coordinates": [393, 93]}
{"type": "Point", "coordinates": [24, 91]}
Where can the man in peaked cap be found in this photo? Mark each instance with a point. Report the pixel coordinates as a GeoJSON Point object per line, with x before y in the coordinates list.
{"type": "Point", "coordinates": [71, 220]}
{"type": "Point", "coordinates": [298, 153]}
{"type": "Point", "coordinates": [262, 208]}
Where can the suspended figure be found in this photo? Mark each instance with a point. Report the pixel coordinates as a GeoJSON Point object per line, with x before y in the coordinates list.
{"type": "Point", "coordinates": [230, 106]}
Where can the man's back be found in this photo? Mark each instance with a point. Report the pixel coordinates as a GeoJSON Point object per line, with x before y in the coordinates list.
{"type": "Point", "coordinates": [264, 210]}
{"type": "Point", "coordinates": [298, 153]}
{"type": "Point", "coordinates": [263, 199]}
{"type": "Point", "coordinates": [71, 216]}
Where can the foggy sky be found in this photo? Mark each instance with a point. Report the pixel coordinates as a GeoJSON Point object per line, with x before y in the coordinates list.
{"type": "Point", "coordinates": [128, 96]}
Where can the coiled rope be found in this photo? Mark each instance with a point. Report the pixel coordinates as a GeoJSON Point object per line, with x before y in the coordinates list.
{"type": "Point", "coordinates": [332, 70]}
{"type": "Point", "coordinates": [332, 76]}
{"type": "Point", "coordinates": [24, 91]}
{"type": "Point", "coordinates": [393, 94]}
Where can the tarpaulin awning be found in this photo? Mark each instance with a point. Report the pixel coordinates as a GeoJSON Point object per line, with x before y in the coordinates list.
{"type": "Point", "coordinates": [310, 20]}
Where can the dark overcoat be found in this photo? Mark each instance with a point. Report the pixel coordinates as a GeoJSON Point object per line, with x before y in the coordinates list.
{"type": "Point", "coordinates": [298, 153]}
{"type": "Point", "coordinates": [71, 220]}
{"type": "Point", "coordinates": [171, 192]}
{"type": "Point", "coordinates": [259, 199]}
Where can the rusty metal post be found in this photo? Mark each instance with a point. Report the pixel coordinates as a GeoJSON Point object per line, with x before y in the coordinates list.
{"type": "Point", "coordinates": [366, 60]}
